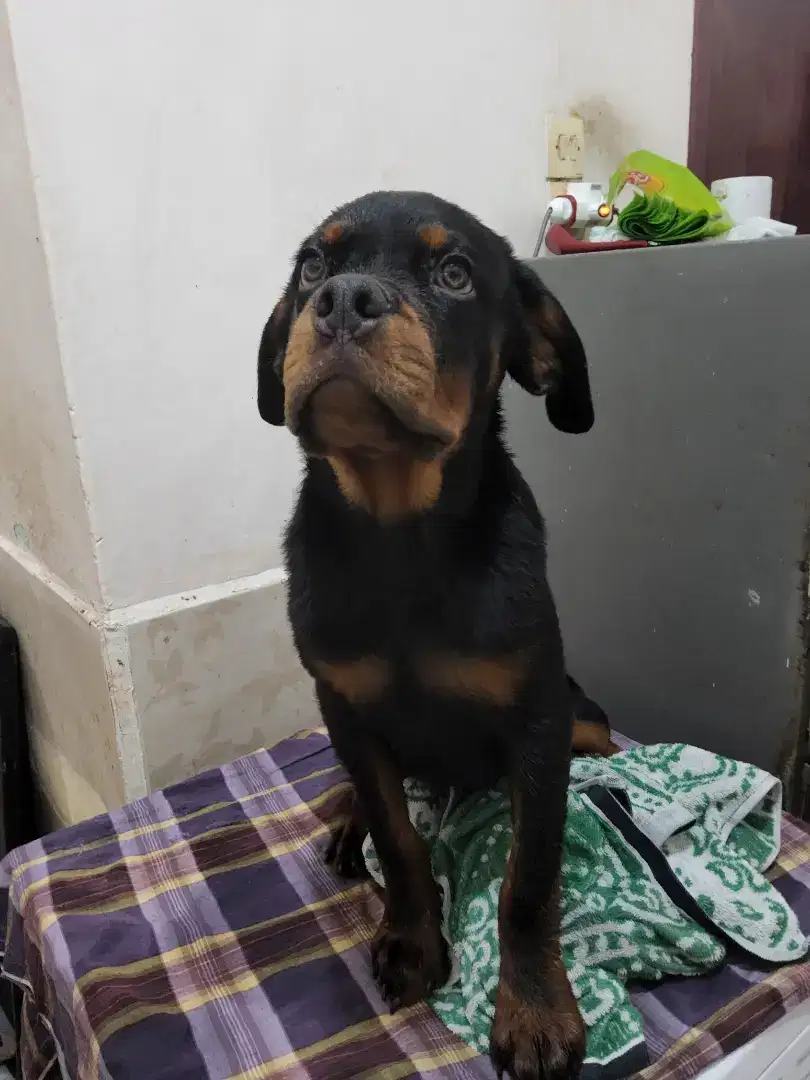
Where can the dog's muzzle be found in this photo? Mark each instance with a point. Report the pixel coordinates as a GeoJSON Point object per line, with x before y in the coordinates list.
{"type": "Point", "coordinates": [360, 374]}
{"type": "Point", "coordinates": [342, 412]}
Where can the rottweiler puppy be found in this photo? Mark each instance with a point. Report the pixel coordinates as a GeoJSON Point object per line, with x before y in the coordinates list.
{"type": "Point", "coordinates": [417, 573]}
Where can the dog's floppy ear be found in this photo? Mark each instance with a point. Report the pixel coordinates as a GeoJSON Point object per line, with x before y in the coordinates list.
{"type": "Point", "coordinates": [546, 355]}
{"type": "Point", "coordinates": [271, 358]}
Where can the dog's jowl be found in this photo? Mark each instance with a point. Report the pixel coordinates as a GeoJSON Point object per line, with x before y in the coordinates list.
{"type": "Point", "coordinates": [417, 573]}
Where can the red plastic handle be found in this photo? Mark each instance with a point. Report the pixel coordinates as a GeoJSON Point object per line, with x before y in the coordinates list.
{"type": "Point", "coordinates": [560, 241]}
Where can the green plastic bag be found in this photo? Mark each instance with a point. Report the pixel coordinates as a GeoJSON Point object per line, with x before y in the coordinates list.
{"type": "Point", "coordinates": [671, 205]}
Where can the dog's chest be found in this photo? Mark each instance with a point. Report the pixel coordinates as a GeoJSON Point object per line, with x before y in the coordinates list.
{"type": "Point", "coordinates": [406, 607]}
{"type": "Point", "coordinates": [434, 673]}
{"type": "Point", "coordinates": [447, 739]}
{"type": "Point", "coordinates": [430, 639]}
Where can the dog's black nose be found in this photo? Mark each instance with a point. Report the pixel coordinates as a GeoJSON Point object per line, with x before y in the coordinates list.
{"type": "Point", "coordinates": [350, 305]}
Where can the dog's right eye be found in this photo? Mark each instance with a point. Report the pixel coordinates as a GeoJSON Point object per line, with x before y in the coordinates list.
{"type": "Point", "coordinates": [453, 275]}
{"type": "Point", "coordinates": [312, 269]}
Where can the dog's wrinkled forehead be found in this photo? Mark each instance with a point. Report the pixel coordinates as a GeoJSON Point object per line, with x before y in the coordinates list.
{"type": "Point", "coordinates": [400, 235]}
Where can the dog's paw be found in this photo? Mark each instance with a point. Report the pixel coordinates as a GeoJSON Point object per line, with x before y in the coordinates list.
{"type": "Point", "coordinates": [537, 1040]}
{"type": "Point", "coordinates": [410, 962]}
{"type": "Point", "coordinates": [345, 852]}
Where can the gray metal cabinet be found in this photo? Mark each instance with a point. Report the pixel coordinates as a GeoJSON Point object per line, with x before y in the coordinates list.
{"type": "Point", "coordinates": [677, 527]}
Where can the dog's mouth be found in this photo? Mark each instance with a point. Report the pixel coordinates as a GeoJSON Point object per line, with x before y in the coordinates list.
{"type": "Point", "coordinates": [341, 413]}
{"type": "Point", "coordinates": [377, 396]}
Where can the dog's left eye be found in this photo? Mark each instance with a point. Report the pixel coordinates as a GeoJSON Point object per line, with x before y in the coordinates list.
{"type": "Point", "coordinates": [312, 269]}
{"type": "Point", "coordinates": [454, 275]}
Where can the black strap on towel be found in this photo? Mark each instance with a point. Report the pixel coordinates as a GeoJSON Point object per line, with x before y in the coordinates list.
{"type": "Point", "coordinates": [608, 803]}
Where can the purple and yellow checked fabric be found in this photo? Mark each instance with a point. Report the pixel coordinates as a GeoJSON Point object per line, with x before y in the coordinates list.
{"type": "Point", "coordinates": [198, 934]}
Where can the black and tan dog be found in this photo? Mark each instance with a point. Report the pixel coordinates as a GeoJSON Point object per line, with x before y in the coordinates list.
{"type": "Point", "coordinates": [417, 573]}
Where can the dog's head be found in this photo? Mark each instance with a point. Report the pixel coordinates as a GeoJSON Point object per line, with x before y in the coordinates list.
{"type": "Point", "coordinates": [402, 315]}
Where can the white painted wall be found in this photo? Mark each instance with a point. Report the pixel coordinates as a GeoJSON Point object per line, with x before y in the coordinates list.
{"type": "Point", "coordinates": [626, 68]}
{"type": "Point", "coordinates": [42, 506]}
{"type": "Point", "coordinates": [158, 166]}
{"type": "Point", "coordinates": [182, 149]}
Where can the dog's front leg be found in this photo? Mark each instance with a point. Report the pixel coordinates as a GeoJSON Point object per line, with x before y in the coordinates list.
{"type": "Point", "coordinates": [409, 954]}
{"type": "Point", "coordinates": [538, 1032]}
{"type": "Point", "coordinates": [344, 852]}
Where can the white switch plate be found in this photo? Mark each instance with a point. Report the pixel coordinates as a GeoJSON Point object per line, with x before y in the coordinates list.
{"type": "Point", "coordinates": [566, 147]}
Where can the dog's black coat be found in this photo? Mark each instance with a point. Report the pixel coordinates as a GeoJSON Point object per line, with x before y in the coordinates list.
{"type": "Point", "coordinates": [428, 624]}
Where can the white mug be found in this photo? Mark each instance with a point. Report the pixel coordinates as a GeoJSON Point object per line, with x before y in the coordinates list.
{"type": "Point", "coordinates": [744, 197]}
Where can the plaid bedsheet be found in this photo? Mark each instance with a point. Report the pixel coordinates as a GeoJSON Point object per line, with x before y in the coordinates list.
{"type": "Point", "coordinates": [198, 934]}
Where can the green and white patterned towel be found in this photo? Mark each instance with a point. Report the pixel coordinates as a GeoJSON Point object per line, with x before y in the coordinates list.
{"type": "Point", "coordinates": [664, 853]}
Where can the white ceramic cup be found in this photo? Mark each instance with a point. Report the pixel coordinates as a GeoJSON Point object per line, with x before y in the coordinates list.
{"type": "Point", "coordinates": [744, 197]}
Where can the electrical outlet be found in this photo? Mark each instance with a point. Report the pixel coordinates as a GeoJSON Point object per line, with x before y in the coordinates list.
{"type": "Point", "coordinates": [566, 147]}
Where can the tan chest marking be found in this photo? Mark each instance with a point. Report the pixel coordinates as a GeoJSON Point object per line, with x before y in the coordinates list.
{"type": "Point", "coordinates": [496, 680]}
{"type": "Point", "coordinates": [388, 487]}
{"type": "Point", "coordinates": [360, 681]}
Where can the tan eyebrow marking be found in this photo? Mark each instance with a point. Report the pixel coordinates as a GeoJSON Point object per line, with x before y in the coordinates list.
{"type": "Point", "coordinates": [435, 236]}
{"type": "Point", "coordinates": [334, 231]}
